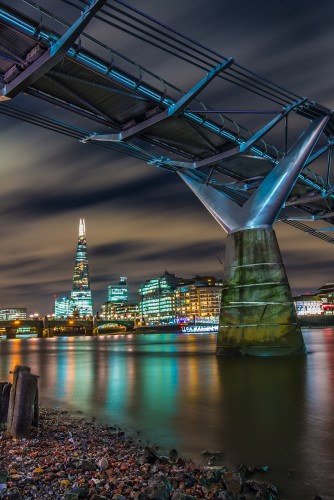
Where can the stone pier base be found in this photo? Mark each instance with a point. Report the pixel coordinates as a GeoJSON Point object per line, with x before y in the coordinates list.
{"type": "Point", "coordinates": [257, 316]}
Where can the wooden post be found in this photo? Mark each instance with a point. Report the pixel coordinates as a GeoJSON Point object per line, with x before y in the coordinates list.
{"type": "Point", "coordinates": [4, 401]}
{"type": "Point", "coordinates": [13, 393]}
{"type": "Point", "coordinates": [34, 422]}
{"type": "Point", "coordinates": [22, 404]}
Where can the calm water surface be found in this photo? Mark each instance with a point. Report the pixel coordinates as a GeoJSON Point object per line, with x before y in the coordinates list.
{"type": "Point", "coordinates": [176, 392]}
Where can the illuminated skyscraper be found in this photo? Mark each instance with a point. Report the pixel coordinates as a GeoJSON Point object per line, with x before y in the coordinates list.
{"type": "Point", "coordinates": [120, 292]}
{"type": "Point", "coordinates": [81, 293]}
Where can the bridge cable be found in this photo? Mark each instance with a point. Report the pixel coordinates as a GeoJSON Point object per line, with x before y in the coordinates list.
{"type": "Point", "coordinates": [234, 79]}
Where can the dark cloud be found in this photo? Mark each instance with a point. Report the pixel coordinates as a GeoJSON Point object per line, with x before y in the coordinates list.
{"type": "Point", "coordinates": [192, 253]}
{"type": "Point", "coordinates": [116, 249]}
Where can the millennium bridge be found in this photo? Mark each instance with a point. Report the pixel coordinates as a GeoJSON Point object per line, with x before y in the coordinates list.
{"type": "Point", "coordinates": [246, 179]}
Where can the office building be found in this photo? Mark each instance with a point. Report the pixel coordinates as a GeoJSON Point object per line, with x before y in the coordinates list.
{"type": "Point", "coordinates": [198, 300]}
{"type": "Point", "coordinates": [63, 307]}
{"type": "Point", "coordinates": [119, 293]}
{"type": "Point", "coordinates": [11, 313]}
{"type": "Point", "coordinates": [157, 300]}
{"type": "Point", "coordinates": [122, 311]}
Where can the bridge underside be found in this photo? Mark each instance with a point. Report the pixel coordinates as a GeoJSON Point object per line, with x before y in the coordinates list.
{"type": "Point", "coordinates": [244, 181]}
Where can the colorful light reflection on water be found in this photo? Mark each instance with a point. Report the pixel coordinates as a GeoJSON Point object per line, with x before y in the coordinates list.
{"type": "Point", "coordinates": [176, 392]}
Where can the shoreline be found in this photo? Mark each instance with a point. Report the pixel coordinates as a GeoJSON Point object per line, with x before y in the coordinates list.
{"type": "Point", "coordinates": [68, 457]}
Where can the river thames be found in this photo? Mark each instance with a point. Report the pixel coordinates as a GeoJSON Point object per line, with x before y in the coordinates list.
{"type": "Point", "coordinates": [172, 390]}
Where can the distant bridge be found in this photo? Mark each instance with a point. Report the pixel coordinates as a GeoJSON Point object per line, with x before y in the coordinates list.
{"type": "Point", "coordinates": [46, 327]}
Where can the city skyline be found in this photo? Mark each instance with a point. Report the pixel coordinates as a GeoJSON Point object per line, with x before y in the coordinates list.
{"type": "Point", "coordinates": [143, 220]}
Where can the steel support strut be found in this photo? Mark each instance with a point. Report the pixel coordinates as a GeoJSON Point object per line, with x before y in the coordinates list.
{"type": "Point", "coordinates": [53, 54]}
{"type": "Point", "coordinates": [242, 148]}
{"type": "Point", "coordinates": [171, 112]}
{"type": "Point", "coordinates": [257, 316]}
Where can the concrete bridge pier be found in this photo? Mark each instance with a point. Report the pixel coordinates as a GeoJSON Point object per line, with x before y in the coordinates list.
{"type": "Point", "coordinates": [43, 331]}
{"type": "Point", "coordinates": [95, 330]}
{"type": "Point", "coordinates": [258, 316]}
{"type": "Point", "coordinates": [11, 332]}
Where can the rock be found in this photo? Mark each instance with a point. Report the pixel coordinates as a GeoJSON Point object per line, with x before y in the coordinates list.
{"type": "Point", "coordinates": [182, 496]}
{"type": "Point", "coordinates": [263, 468]}
{"type": "Point", "coordinates": [11, 494]}
{"type": "Point", "coordinates": [180, 462]}
{"type": "Point", "coordinates": [266, 491]}
{"type": "Point", "coordinates": [64, 483]}
{"type": "Point", "coordinates": [223, 495]}
{"type": "Point", "coordinates": [215, 460]}
{"type": "Point", "coordinates": [173, 454]}
{"type": "Point", "coordinates": [165, 460]}
{"type": "Point", "coordinates": [159, 488]}
{"type": "Point", "coordinates": [80, 492]}
{"type": "Point", "coordinates": [216, 455]}
{"type": "Point", "coordinates": [232, 482]}
{"type": "Point", "coordinates": [139, 495]}
{"type": "Point", "coordinates": [265, 495]}
{"type": "Point", "coordinates": [3, 476]}
{"type": "Point", "coordinates": [103, 463]}
{"type": "Point", "coordinates": [86, 465]}
{"type": "Point", "coordinates": [149, 456]}
{"type": "Point", "coordinates": [247, 470]}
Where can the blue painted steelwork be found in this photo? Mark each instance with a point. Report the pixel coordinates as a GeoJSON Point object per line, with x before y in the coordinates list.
{"type": "Point", "coordinates": [244, 146]}
{"type": "Point", "coordinates": [118, 77]}
{"type": "Point", "coordinates": [125, 80]}
{"type": "Point", "coordinates": [172, 111]}
{"type": "Point", "coordinates": [263, 207]}
{"type": "Point", "coordinates": [53, 54]}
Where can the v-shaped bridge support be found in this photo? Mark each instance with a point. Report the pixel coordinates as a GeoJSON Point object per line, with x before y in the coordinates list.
{"type": "Point", "coordinates": [257, 315]}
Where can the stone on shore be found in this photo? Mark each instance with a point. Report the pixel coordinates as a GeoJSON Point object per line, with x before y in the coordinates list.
{"type": "Point", "coordinates": [68, 458]}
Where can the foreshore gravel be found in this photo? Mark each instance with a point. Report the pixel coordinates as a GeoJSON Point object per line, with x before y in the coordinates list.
{"type": "Point", "coordinates": [68, 457]}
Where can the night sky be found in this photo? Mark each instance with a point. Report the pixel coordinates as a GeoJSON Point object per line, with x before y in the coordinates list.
{"type": "Point", "coordinates": [140, 220]}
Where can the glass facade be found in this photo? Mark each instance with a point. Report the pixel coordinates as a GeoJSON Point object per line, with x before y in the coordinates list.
{"type": "Point", "coordinates": [120, 292]}
{"type": "Point", "coordinates": [199, 301]}
{"type": "Point", "coordinates": [11, 313]}
{"type": "Point", "coordinates": [113, 310]}
{"type": "Point", "coordinates": [63, 307]}
{"type": "Point", "coordinates": [169, 299]}
{"type": "Point", "coordinates": [81, 294]}
{"type": "Point", "coordinates": [157, 300]}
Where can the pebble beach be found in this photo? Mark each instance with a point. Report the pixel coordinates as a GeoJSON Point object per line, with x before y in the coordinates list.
{"type": "Point", "coordinates": [68, 457]}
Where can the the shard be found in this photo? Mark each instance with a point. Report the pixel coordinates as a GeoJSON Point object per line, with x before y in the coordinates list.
{"type": "Point", "coordinates": [81, 293]}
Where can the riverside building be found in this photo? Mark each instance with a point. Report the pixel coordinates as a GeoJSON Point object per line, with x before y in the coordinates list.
{"type": "Point", "coordinates": [169, 299]}
{"type": "Point", "coordinates": [118, 305]}
{"type": "Point", "coordinates": [119, 293]}
{"type": "Point", "coordinates": [63, 307]}
{"type": "Point", "coordinates": [322, 302]}
{"type": "Point", "coordinates": [198, 300]}
{"type": "Point", "coordinates": [157, 300]}
{"type": "Point", "coordinates": [309, 305]}
{"type": "Point", "coordinates": [113, 310]}
{"type": "Point", "coordinates": [11, 313]}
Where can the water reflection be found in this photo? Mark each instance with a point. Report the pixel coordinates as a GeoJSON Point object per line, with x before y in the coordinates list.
{"type": "Point", "coordinates": [178, 393]}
